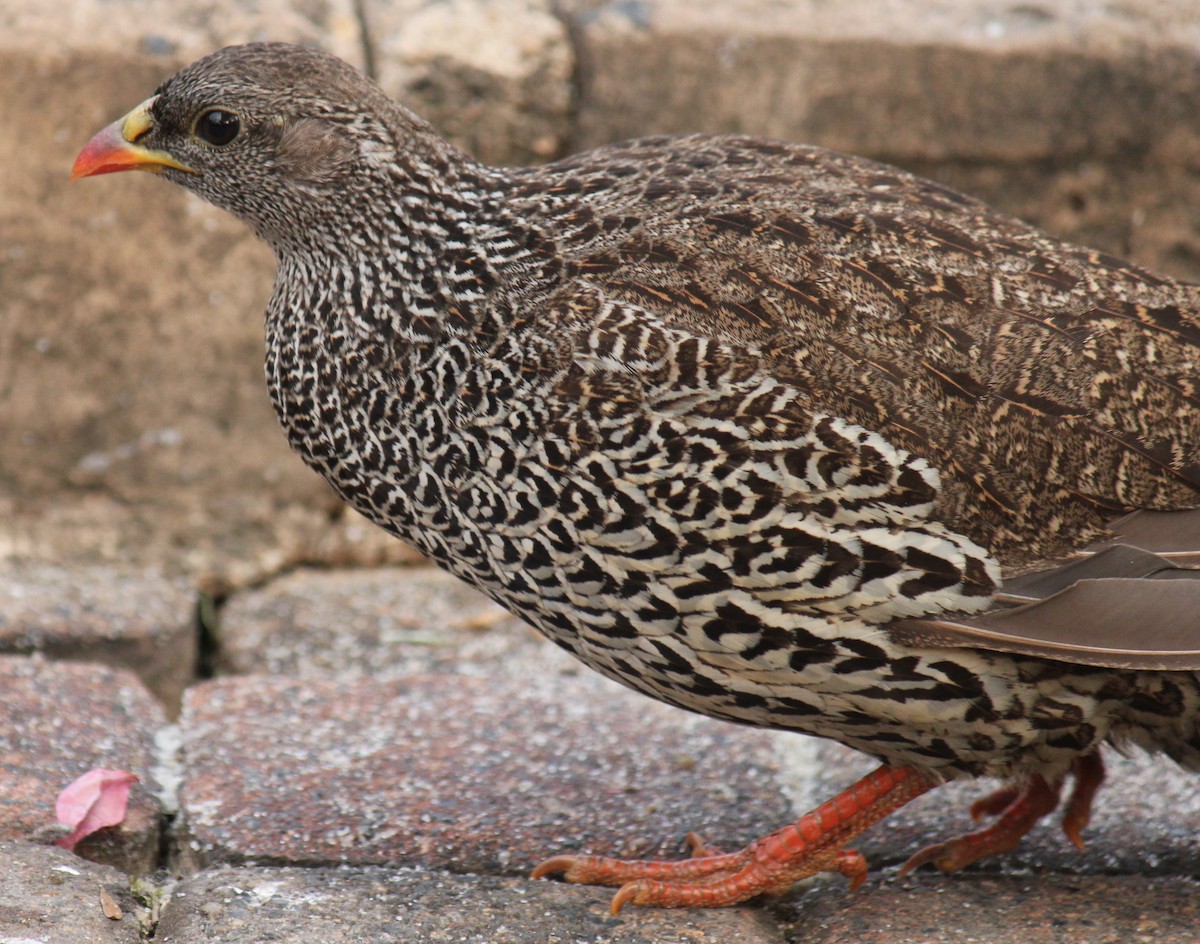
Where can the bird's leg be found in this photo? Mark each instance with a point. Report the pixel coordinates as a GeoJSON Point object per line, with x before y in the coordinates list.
{"type": "Point", "coordinates": [1089, 775]}
{"type": "Point", "coordinates": [1018, 808]}
{"type": "Point", "coordinates": [814, 843]}
{"type": "Point", "coordinates": [1026, 806]}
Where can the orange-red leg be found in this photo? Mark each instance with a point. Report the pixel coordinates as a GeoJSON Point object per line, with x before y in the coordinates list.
{"type": "Point", "coordinates": [1032, 802]}
{"type": "Point", "coordinates": [1018, 809]}
{"type": "Point", "coordinates": [814, 843]}
{"type": "Point", "coordinates": [995, 802]}
{"type": "Point", "coordinates": [1089, 775]}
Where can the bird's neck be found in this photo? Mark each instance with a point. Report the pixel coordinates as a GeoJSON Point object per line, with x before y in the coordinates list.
{"type": "Point", "coordinates": [433, 254]}
{"type": "Point", "coordinates": [391, 319]}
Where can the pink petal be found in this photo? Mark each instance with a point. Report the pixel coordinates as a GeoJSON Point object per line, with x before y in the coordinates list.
{"type": "Point", "coordinates": [97, 799]}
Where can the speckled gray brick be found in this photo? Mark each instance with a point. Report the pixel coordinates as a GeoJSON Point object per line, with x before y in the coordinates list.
{"type": "Point", "coordinates": [247, 906]}
{"type": "Point", "coordinates": [386, 622]}
{"type": "Point", "coordinates": [131, 617]}
{"type": "Point", "coordinates": [48, 896]}
{"type": "Point", "coordinates": [1025, 909]}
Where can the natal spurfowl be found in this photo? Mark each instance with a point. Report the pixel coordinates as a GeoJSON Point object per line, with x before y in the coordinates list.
{"type": "Point", "coordinates": [748, 426]}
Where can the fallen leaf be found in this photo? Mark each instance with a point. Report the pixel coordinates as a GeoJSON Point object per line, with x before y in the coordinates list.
{"type": "Point", "coordinates": [110, 907]}
{"type": "Point", "coordinates": [97, 799]}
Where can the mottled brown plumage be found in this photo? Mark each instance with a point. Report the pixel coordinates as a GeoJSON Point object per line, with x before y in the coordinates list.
{"type": "Point", "coordinates": [748, 426]}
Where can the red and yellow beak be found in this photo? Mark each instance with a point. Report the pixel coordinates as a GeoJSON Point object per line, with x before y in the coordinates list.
{"type": "Point", "coordinates": [116, 148]}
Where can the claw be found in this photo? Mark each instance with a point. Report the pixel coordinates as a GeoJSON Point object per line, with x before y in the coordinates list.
{"type": "Point", "coordinates": [700, 848]}
{"type": "Point", "coordinates": [922, 857]}
{"type": "Point", "coordinates": [994, 803]}
{"type": "Point", "coordinates": [556, 864]}
{"type": "Point", "coordinates": [853, 865]}
{"type": "Point", "coordinates": [625, 894]}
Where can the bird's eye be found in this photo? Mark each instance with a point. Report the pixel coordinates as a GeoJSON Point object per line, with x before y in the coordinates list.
{"type": "Point", "coordinates": [218, 126]}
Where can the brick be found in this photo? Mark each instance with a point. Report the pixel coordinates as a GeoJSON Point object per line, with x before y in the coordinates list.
{"type": "Point", "coordinates": [59, 720]}
{"type": "Point", "coordinates": [48, 896]}
{"type": "Point", "coordinates": [493, 76]}
{"type": "Point", "coordinates": [137, 618]}
{"type": "Point", "coordinates": [137, 423]}
{"type": "Point", "coordinates": [488, 774]}
{"type": "Point", "coordinates": [403, 906]}
{"type": "Point", "coordinates": [1029, 909]}
{"type": "Point", "coordinates": [872, 76]}
{"type": "Point", "coordinates": [387, 623]}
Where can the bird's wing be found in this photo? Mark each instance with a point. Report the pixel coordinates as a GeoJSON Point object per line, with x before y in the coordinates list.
{"type": "Point", "coordinates": [691, 461]}
{"type": "Point", "coordinates": [1052, 386]}
{"type": "Point", "coordinates": [1121, 606]}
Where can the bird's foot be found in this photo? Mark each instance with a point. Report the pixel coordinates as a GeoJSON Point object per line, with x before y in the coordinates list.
{"type": "Point", "coordinates": [1017, 809]}
{"type": "Point", "coordinates": [814, 843]}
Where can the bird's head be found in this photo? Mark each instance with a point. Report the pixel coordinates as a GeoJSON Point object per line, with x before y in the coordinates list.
{"type": "Point", "coordinates": [280, 135]}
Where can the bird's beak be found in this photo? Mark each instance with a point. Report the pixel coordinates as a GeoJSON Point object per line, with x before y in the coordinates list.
{"type": "Point", "coordinates": [116, 148]}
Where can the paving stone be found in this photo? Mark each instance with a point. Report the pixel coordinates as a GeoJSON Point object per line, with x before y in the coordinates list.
{"type": "Point", "coordinates": [1028, 909]}
{"type": "Point", "coordinates": [387, 623]}
{"type": "Point", "coordinates": [1145, 820]}
{"type": "Point", "coordinates": [59, 720]}
{"type": "Point", "coordinates": [244, 905]}
{"type": "Point", "coordinates": [49, 896]}
{"type": "Point", "coordinates": [876, 75]}
{"type": "Point", "coordinates": [488, 774]}
{"type": "Point", "coordinates": [131, 617]}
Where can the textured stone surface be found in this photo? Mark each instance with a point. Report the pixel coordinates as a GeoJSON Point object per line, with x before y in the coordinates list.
{"type": "Point", "coordinates": [494, 76]}
{"type": "Point", "coordinates": [1027, 909]}
{"type": "Point", "coordinates": [167, 33]}
{"type": "Point", "coordinates": [131, 617]}
{"type": "Point", "coordinates": [954, 80]}
{"type": "Point", "coordinates": [469, 774]}
{"type": "Point", "coordinates": [137, 425]}
{"type": "Point", "coordinates": [245, 905]}
{"type": "Point", "coordinates": [387, 623]}
{"type": "Point", "coordinates": [59, 720]}
{"type": "Point", "coordinates": [48, 896]}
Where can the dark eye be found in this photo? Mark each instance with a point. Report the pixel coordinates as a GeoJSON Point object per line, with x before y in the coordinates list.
{"type": "Point", "coordinates": [217, 126]}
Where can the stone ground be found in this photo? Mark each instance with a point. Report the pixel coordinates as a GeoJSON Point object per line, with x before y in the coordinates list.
{"type": "Point", "coordinates": [335, 748]}
{"type": "Point", "coordinates": [383, 755]}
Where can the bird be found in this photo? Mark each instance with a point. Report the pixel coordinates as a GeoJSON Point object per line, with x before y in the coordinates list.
{"type": "Point", "coordinates": [779, 435]}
